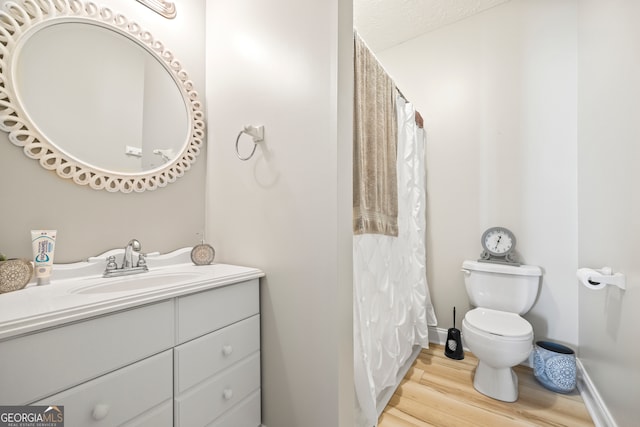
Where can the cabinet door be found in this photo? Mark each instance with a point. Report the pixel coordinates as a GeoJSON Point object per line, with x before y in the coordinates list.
{"type": "Point", "coordinates": [47, 362]}
{"type": "Point", "coordinates": [120, 396]}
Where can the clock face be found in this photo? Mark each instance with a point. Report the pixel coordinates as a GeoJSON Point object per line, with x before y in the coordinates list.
{"type": "Point", "coordinates": [498, 241]}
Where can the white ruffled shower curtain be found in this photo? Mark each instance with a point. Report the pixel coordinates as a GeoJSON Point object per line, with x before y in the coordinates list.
{"type": "Point", "coordinates": [392, 306]}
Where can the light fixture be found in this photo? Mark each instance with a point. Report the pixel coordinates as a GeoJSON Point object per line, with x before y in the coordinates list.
{"type": "Point", "coordinates": [164, 8]}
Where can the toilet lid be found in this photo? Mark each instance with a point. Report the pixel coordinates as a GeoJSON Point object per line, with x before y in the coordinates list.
{"type": "Point", "coordinates": [498, 322]}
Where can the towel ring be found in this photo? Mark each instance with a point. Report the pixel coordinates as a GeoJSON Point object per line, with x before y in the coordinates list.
{"type": "Point", "coordinates": [257, 132]}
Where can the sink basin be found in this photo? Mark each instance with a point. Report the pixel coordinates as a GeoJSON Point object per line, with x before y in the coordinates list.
{"type": "Point", "coordinates": [137, 282]}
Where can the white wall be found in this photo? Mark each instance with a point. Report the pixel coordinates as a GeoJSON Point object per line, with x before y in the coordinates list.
{"type": "Point", "coordinates": [88, 221]}
{"type": "Point", "coordinates": [287, 65]}
{"type": "Point", "coordinates": [609, 203]}
{"type": "Point", "coordinates": [498, 94]}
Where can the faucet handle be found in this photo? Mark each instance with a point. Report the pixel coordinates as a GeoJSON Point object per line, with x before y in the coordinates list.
{"type": "Point", "coordinates": [111, 263]}
{"type": "Point", "coordinates": [142, 261]}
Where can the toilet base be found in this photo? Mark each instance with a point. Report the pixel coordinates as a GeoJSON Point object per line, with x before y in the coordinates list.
{"type": "Point", "coordinates": [497, 383]}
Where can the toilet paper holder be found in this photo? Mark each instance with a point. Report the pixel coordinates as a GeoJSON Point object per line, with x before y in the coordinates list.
{"type": "Point", "coordinates": [598, 278]}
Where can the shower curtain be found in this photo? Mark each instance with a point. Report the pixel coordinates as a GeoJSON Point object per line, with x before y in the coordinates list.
{"type": "Point", "coordinates": [392, 306]}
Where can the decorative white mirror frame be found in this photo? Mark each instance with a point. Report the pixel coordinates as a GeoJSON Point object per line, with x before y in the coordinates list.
{"type": "Point", "coordinates": [164, 8]}
{"type": "Point", "coordinates": [20, 18]}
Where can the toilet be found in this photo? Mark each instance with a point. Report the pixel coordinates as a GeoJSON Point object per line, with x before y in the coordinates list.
{"type": "Point", "coordinates": [494, 330]}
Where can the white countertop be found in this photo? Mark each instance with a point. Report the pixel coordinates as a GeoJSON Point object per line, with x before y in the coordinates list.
{"type": "Point", "coordinates": [37, 307]}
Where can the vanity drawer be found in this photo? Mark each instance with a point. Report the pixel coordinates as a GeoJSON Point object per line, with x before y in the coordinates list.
{"type": "Point", "coordinates": [120, 396]}
{"type": "Point", "coordinates": [246, 414]}
{"type": "Point", "coordinates": [207, 311]}
{"type": "Point", "coordinates": [218, 394]}
{"type": "Point", "coordinates": [56, 359]}
{"type": "Point", "coordinates": [160, 416]}
{"type": "Point", "coordinates": [203, 357]}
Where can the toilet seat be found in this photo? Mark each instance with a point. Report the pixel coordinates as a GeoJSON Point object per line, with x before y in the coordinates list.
{"type": "Point", "coordinates": [507, 326]}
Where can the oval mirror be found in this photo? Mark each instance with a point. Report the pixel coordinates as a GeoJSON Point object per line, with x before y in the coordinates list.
{"type": "Point", "coordinates": [95, 98]}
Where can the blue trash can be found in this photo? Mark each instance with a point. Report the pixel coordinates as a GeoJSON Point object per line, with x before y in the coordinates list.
{"type": "Point", "coordinates": [554, 366]}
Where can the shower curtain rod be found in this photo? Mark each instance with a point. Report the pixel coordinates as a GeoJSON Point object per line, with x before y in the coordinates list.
{"type": "Point", "coordinates": [401, 94]}
{"type": "Point", "coordinates": [418, 117]}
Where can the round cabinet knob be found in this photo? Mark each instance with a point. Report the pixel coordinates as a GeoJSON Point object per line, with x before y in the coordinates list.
{"type": "Point", "coordinates": [227, 350]}
{"type": "Point", "coordinates": [100, 411]}
{"type": "Point", "coordinates": [227, 394]}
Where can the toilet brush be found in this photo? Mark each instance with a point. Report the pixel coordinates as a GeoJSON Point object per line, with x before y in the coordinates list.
{"type": "Point", "coordinates": [453, 348]}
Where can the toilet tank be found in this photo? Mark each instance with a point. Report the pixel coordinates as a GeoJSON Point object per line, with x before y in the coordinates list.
{"type": "Point", "coordinates": [500, 286]}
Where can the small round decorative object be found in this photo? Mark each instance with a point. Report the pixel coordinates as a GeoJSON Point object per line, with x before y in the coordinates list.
{"type": "Point", "coordinates": [498, 241]}
{"type": "Point", "coordinates": [15, 274]}
{"type": "Point", "coordinates": [202, 254]}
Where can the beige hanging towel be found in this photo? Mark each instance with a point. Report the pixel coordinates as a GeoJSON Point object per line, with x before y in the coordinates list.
{"type": "Point", "coordinates": [375, 140]}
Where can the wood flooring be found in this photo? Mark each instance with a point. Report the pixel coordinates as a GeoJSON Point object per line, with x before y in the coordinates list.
{"type": "Point", "coordinates": [438, 391]}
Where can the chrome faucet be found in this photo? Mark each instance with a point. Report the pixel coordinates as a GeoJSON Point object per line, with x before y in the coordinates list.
{"type": "Point", "coordinates": [128, 267]}
{"type": "Point", "coordinates": [133, 246]}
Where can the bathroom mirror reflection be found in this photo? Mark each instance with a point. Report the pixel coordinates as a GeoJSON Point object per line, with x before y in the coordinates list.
{"type": "Point", "coordinates": [128, 114]}
{"type": "Point", "coordinates": [96, 98]}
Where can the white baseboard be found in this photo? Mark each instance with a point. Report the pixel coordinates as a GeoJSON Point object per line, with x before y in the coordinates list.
{"type": "Point", "coordinates": [592, 400]}
{"type": "Point", "coordinates": [437, 335]}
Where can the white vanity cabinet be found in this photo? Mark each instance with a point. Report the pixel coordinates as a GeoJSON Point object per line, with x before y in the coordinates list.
{"type": "Point", "coordinates": [187, 360]}
{"type": "Point", "coordinates": [217, 364]}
